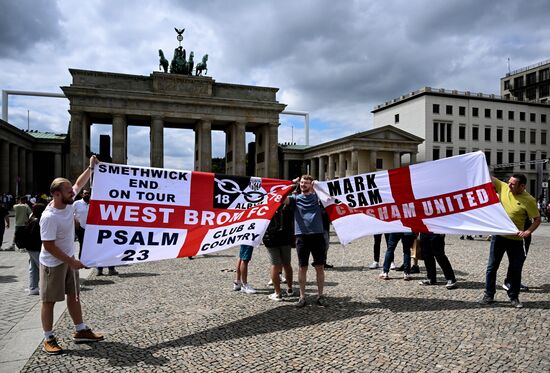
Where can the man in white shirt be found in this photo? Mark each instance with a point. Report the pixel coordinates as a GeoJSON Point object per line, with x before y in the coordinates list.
{"type": "Point", "coordinates": [58, 266]}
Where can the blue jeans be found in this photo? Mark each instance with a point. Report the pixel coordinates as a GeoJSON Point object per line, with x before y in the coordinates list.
{"type": "Point", "coordinates": [516, 257]}
{"type": "Point", "coordinates": [407, 242]}
{"type": "Point", "coordinates": [34, 269]}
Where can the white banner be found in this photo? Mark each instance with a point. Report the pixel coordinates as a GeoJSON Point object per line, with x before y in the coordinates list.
{"type": "Point", "coordinates": [451, 195]}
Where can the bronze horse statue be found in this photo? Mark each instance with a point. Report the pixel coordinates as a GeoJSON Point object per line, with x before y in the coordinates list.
{"type": "Point", "coordinates": [202, 66]}
{"type": "Point", "coordinates": [163, 62]}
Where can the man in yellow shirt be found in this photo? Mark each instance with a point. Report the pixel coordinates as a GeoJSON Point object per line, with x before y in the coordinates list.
{"type": "Point", "coordinates": [519, 205]}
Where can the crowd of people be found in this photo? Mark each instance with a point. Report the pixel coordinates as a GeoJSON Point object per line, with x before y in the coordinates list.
{"type": "Point", "coordinates": [49, 227]}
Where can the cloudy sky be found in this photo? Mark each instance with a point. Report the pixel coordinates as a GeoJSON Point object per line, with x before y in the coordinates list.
{"type": "Point", "coordinates": [333, 59]}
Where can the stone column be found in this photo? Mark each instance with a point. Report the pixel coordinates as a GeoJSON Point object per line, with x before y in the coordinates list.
{"type": "Point", "coordinates": [22, 173]}
{"type": "Point", "coordinates": [203, 146]}
{"type": "Point", "coordinates": [396, 160]}
{"type": "Point", "coordinates": [157, 142]}
{"type": "Point", "coordinates": [354, 162]}
{"type": "Point", "coordinates": [120, 139]}
{"type": "Point", "coordinates": [272, 150]}
{"type": "Point", "coordinates": [313, 168]}
{"type": "Point", "coordinates": [286, 175]}
{"type": "Point", "coordinates": [4, 166]}
{"type": "Point", "coordinates": [57, 165]}
{"type": "Point", "coordinates": [239, 152]}
{"type": "Point", "coordinates": [30, 172]}
{"type": "Point", "coordinates": [413, 158]}
{"type": "Point", "coordinates": [77, 145]}
{"type": "Point", "coordinates": [373, 160]}
{"type": "Point", "coordinates": [14, 168]}
{"type": "Point", "coordinates": [86, 148]}
{"type": "Point", "coordinates": [342, 164]}
{"type": "Point", "coordinates": [330, 175]}
{"type": "Point", "coordinates": [321, 168]}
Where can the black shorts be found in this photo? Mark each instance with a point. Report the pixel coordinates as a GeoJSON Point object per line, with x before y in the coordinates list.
{"type": "Point", "coordinates": [311, 243]}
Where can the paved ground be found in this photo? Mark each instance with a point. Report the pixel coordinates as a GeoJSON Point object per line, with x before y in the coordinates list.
{"type": "Point", "coordinates": [181, 315]}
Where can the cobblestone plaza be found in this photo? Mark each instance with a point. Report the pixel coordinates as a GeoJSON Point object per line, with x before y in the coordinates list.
{"type": "Point", "coordinates": [181, 315]}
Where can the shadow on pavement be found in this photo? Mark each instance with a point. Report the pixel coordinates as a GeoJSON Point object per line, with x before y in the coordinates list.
{"type": "Point", "coordinates": [121, 354]}
{"type": "Point", "coordinates": [401, 304]}
{"type": "Point", "coordinates": [7, 279]}
{"type": "Point", "coordinates": [5, 267]}
{"type": "Point", "coordinates": [97, 282]}
{"type": "Point", "coordinates": [137, 274]}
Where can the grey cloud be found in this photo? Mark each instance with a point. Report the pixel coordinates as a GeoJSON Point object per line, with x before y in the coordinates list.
{"type": "Point", "coordinates": [24, 23]}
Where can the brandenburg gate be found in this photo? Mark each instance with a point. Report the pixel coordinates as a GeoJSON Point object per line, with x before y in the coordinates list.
{"type": "Point", "coordinates": [163, 100]}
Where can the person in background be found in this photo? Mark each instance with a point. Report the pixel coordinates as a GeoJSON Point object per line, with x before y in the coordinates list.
{"type": "Point", "coordinates": [22, 214]}
{"type": "Point", "coordinates": [34, 244]}
{"type": "Point", "coordinates": [4, 221]}
{"type": "Point", "coordinates": [241, 279]}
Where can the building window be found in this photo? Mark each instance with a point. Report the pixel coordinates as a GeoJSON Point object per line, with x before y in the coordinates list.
{"type": "Point", "coordinates": [522, 136]}
{"type": "Point", "coordinates": [475, 112]}
{"type": "Point", "coordinates": [543, 137]}
{"type": "Point", "coordinates": [522, 115]}
{"type": "Point", "coordinates": [533, 136]}
{"type": "Point", "coordinates": [462, 132]}
{"type": "Point", "coordinates": [544, 75]}
{"type": "Point", "coordinates": [499, 157]}
{"type": "Point", "coordinates": [488, 157]}
{"type": "Point", "coordinates": [487, 133]}
{"type": "Point", "coordinates": [499, 114]}
{"type": "Point", "coordinates": [435, 154]}
{"type": "Point", "coordinates": [531, 93]}
{"type": "Point", "coordinates": [449, 152]}
{"type": "Point", "coordinates": [510, 157]}
{"type": "Point", "coordinates": [379, 163]}
{"type": "Point", "coordinates": [475, 133]}
{"type": "Point", "coordinates": [532, 117]}
{"type": "Point", "coordinates": [532, 187]}
{"type": "Point", "coordinates": [499, 134]}
{"type": "Point", "coordinates": [544, 90]}
{"type": "Point", "coordinates": [510, 135]}
{"type": "Point", "coordinates": [442, 132]}
{"type": "Point", "coordinates": [461, 151]}
{"type": "Point", "coordinates": [510, 115]}
{"type": "Point", "coordinates": [487, 113]}
{"type": "Point", "coordinates": [543, 156]}
{"type": "Point", "coordinates": [449, 109]}
{"type": "Point", "coordinates": [462, 110]}
{"type": "Point", "coordinates": [518, 82]}
{"type": "Point", "coordinates": [531, 78]}
{"type": "Point", "coordinates": [533, 157]}
{"type": "Point", "coordinates": [435, 109]}
{"type": "Point", "coordinates": [543, 118]}
{"type": "Point", "coordinates": [506, 84]}
{"type": "Point", "coordinates": [522, 159]}
{"type": "Point", "coordinates": [396, 118]}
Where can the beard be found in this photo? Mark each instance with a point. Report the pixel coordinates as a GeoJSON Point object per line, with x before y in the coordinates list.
{"type": "Point", "coordinates": [67, 200]}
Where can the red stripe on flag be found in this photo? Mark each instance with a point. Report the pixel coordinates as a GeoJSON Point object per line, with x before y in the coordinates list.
{"type": "Point", "coordinates": [402, 192]}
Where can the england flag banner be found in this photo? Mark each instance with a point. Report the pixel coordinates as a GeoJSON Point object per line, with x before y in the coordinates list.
{"type": "Point", "coordinates": [140, 214]}
{"type": "Point", "coordinates": [453, 195]}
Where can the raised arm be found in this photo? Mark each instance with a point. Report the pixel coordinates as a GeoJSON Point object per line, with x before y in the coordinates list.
{"type": "Point", "coordinates": [85, 175]}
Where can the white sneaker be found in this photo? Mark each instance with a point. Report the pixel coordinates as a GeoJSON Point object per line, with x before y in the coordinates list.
{"type": "Point", "coordinates": [270, 283]}
{"type": "Point", "coordinates": [276, 297]}
{"type": "Point", "coordinates": [236, 286]}
{"type": "Point", "coordinates": [283, 279]}
{"type": "Point", "coordinates": [374, 265]}
{"type": "Point", "coordinates": [245, 288]}
{"type": "Point", "coordinates": [392, 265]}
{"type": "Point", "coordinates": [34, 291]}
{"type": "Point", "coordinates": [384, 276]}
{"type": "Point", "coordinates": [407, 276]}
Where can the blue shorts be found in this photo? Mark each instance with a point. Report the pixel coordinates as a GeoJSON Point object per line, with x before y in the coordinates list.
{"type": "Point", "coordinates": [245, 254]}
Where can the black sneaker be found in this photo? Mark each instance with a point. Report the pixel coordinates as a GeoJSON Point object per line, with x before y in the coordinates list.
{"type": "Point", "coordinates": [486, 300]}
{"type": "Point", "coordinates": [322, 301]}
{"type": "Point", "coordinates": [415, 269]}
{"type": "Point", "coordinates": [401, 268]}
{"type": "Point", "coordinates": [516, 303]}
{"type": "Point", "coordinates": [451, 284]}
{"type": "Point", "coordinates": [328, 266]}
{"type": "Point", "coordinates": [523, 287]}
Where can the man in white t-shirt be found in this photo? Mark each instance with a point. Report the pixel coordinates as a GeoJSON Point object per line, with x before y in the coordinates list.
{"type": "Point", "coordinates": [58, 265]}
